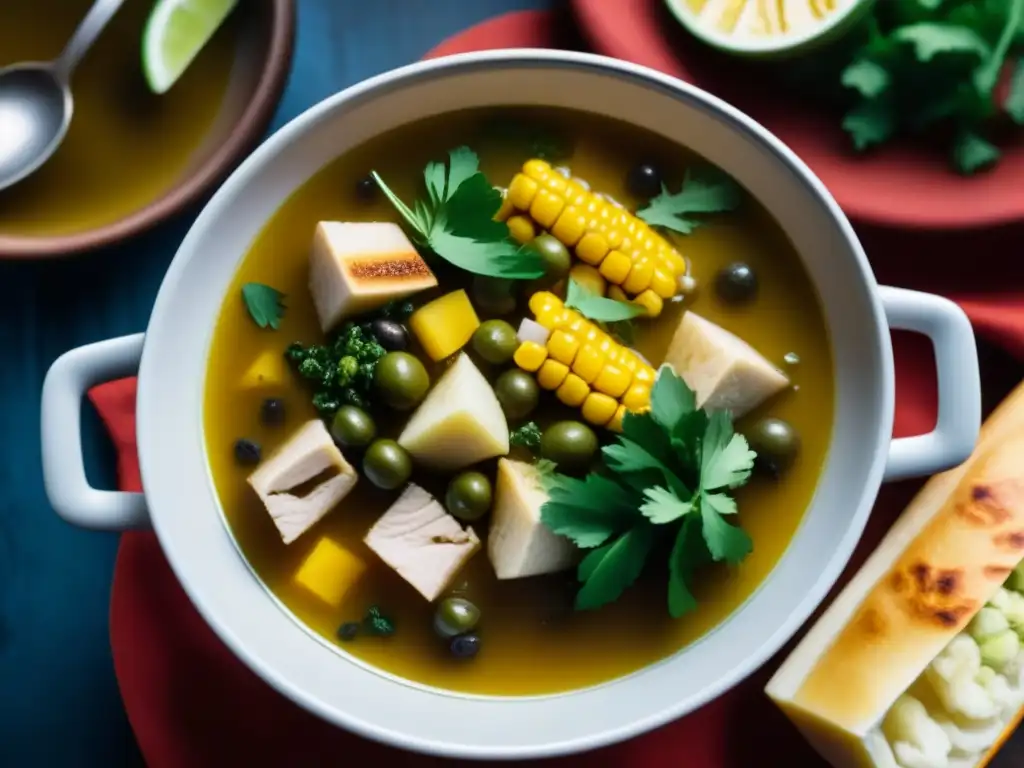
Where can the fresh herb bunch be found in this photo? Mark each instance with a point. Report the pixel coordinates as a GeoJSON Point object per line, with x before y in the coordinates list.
{"type": "Point", "coordinates": [921, 66]}
{"type": "Point", "coordinates": [456, 221]}
{"type": "Point", "coordinates": [526, 436]}
{"type": "Point", "coordinates": [341, 372]}
{"type": "Point", "coordinates": [669, 474]}
{"type": "Point", "coordinates": [703, 192]}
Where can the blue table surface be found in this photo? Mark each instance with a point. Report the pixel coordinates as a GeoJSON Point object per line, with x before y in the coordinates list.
{"type": "Point", "coordinates": [59, 703]}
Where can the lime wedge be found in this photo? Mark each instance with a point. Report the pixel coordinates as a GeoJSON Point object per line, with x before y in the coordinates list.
{"type": "Point", "coordinates": [175, 33]}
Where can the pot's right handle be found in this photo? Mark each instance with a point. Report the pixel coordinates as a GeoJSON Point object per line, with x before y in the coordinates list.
{"type": "Point", "coordinates": [67, 487]}
{"type": "Point", "coordinates": [956, 361]}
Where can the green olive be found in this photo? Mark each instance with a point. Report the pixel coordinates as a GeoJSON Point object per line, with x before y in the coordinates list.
{"type": "Point", "coordinates": [352, 427]}
{"type": "Point", "coordinates": [557, 259]}
{"type": "Point", "coordinates": [518, 393]}
{"type": "Point", "coordinates": [736, 283]}
{"type": "Point", "coordinates": [493, 295]}
{"type": "Point", "coordinates": [455, 616]}
{"type": "Point", "coordinates": [386, 464]}
{"type": "Point", "coordinates": [468, 496]}
{"type": "Point", "coordinates": [401, 380]}
{"type": "Point", "coordinates": [495, 341]}
{"type": "Point", "coordinates": [570, 444]}
{"type": "Point", "coordinates": [776, 443]}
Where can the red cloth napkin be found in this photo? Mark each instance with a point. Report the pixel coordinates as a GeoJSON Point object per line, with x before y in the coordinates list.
{"type": "Point", "coordinates": [193, 705]}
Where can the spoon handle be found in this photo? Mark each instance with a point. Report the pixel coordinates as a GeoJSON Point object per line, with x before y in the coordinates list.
{"type": "Point", "coordinates": [92, 25]}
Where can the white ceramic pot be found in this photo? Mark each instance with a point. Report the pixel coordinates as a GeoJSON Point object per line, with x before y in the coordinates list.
{"type": "Point", "coordinates": [181, 507]}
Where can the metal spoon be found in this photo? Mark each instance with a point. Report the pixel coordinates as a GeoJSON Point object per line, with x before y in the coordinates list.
{"type": "Point", "coordinates": [36, 103]}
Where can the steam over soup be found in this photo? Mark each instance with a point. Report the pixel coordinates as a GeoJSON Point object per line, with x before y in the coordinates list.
{"type": "Point", "coordinates": [514, 403]}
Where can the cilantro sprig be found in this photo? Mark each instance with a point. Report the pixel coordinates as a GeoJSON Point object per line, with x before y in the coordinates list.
{"type": "Point", "coordinates": [670, 473]}
{"type": "Point", "coordinates": [456, 220]}
{"type": "Point", "coordinates": [709, 191]}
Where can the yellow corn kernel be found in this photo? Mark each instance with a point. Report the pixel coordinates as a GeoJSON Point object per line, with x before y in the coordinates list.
{"type": "Point", "coordinates": [615, 425]}
{"type": "Point", "coordinates": [546, 207]}
{"type": "Point", "coordinates": [589, 278]}
{"type": "Point", "coordinates": [573, 391]}
{"type": "Point", "coordinates": [615, 267]}
{"type": "Point", "coordinates": [521, 191]}
{"type": "Point", "coordinates": [538, 170]}
{"type": "Point", "coordinates": [607, 345]}
{"type": "Point", "coordinates": [591, 248]}
{"type": "Point", "coordinates": [557, 184]}
{"type": "Point", "coordinates": [651, 302]}
{"type": "Point", "coordinates": [570, 226]}
{"type": "Point", "coordinates": [637, 397]}
{"type": "Point", "coordinates": [615, 292]}
{"type": "Point", "coordinates": [544, 301]}
{"type": "Point", "coordinates": [577, 324]}
{"type": "Point", "coordinates": [577, 193]}
{"type": "Point", "coordinates": [614, 238]}
{"type": "Point", "coordinates": [530, 356]}
{"type": "Point", "coordinates": [553, 318]}
{"type": "Point", "coordinates": [663, 284]}
{"type": "Point", "coordinates": [589, 362]}
{"type": "Point", "coordinates": [552, 374]}
{"type": "Point", "coordinates": [599, 408]}
{"type": "Point", "coordinates": [678, 261]}
{"type": "Point", "coordinates": [639, 278]}
{"type": "Point", "coordinates": [563, 347]}
{"type": "Point", "coordinates": [521, 229]}
{"type": "Point", "coordinates": [613, 380]}
{"type": "Point", "coordinates": [644, 375]}
{"type": "Point", "coordinates": [629, 361]}
{"type": "Point", "coordinates": [593, 334]}
{"type": "Point", "coordinates": [506, 208]}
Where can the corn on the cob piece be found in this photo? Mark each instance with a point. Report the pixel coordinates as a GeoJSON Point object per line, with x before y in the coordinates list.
{"type": "Point", "coordinates": [584, 366]}
{"type": "Point", "coordinates": [635, 260]}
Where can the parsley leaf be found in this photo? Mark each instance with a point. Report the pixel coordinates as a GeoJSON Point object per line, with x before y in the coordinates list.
{"type": "Point", "coordinates": [929, 39]}
{"type": "Point", "coordinates": [265, 304]}
{"type": "Point", "coordinates": [606, 572]}
{"type": "Point", "coordinates": [725, 542]}
{"type": "Point", "coordinates": [598, 308]}
{"type": "Point", "coordinates": [1014, 102]}
{"type": "Point", "coordinates": [727, 460]}
{"type": "Point", "coordinates": [671, 399]}
{"type": "Point", "coordinates": [709, 192]}
{"type": "Point", "coordinates": [866, 77]}
{"type": "Point", "coordinates": [870, 123]}
{"type": "Point", "coordinates": [663, 506]}
{"type": "Point", "coordinates": [689, 552]}
{"type": "Point", "coordinates": [587, 511]}
{"type": "Point", "coordinates": [456, 222]}
{"type": "Point", "coordinates": [972, 153]}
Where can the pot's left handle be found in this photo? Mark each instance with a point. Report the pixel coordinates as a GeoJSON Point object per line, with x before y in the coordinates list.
{"type": "Point", "coordinates": [67, 381]}
{"type": "Point", "coordinates": [956, 363]}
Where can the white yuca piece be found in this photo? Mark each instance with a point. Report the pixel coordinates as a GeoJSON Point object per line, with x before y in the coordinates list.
{"type": "Point", "coordinates": [303, 480]}
{"type": "Point", "coordinates": [460, 422]}
{"type": "Point", "coordinates": [918, 662]}
{"type": "Point", "coordinates": [725, 372]}
{"type": "Point", "coordinates": [355, 267]}
{"type": "Point", "coordinates": [518, 543]}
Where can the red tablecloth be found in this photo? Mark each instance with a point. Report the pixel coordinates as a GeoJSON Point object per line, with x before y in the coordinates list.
{"type": "Point", "coordinates": [193, 705]}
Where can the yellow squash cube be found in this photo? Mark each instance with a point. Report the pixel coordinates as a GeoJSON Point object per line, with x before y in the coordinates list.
{"type": "Point", "coordinates": [445, 325]}
{"type": "Point", "coordinates": [329, 571]}
{"type": "Point", "coordinates": [268, 371]}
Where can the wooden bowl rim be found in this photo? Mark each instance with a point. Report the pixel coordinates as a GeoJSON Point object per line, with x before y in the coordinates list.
{"type": "Point", "coordinates": [246, 131]}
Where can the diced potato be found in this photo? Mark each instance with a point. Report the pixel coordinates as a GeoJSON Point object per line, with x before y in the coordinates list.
{"type": "Point", "coordinates": [424, 544]}
{"type": "Point", "coordinates": [725, 372]}
{"type": "Point", "coordinates": [519, 544]}
{"type": "Point", "coordinates": [329, 571]}
{"type": "Point", "coordinates": [445, 325]}
{"type": "Point", "coordinates": [459, 423]}
{"type": "Point", "coordinates": [268, 371]}
{"type": "Point", "coordinates": [303, 480]}
{"type": "Point", "coordinates": [355, 267]}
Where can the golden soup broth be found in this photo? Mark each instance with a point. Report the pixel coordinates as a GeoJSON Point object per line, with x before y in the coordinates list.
{"type": "Point", "coordinates": [530, 643]}
{"type": "Point", "coordinates": [126, 146]}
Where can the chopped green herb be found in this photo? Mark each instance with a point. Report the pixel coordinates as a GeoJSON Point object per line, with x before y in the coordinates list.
{"type": "Point", "coordinates": [709, 192]}
{"type": "Point", "coordinates": [265, 304]}
{"type": "Point", "coordinates": [526, 436]}
{"type": "Point", "coordinates": [457, 221]}
{"type": "Point", "coordinates": [675, 466]}
{"type": "Point", "coordinates": [376, 623]}
{"type": "Point", "coordinates": [598, 308]}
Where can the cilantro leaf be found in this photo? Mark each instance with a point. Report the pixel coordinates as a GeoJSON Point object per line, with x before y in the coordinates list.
{"type": "Point", "coordinates": [413, 219]}
{"type": "Point", "coordinates": [710, 192]}
{"type": "Point", "coordinates": [265, 304]}
{"type": "Point", "coordinates": [492, 259]}
{"type": "Point", "coordinates": [727, 460]}
{"type": "Point", "coordinates": [598, 308]}
{"type": "Point", "coordinates": [663, 506]}
{"type": "Point", "coordinates": [469, 211]}
{"type": "Point", "coordinates": [972, 153]}
{"type": "Point", "coordinates": [435, 181]}
{"type": "Point", "coordinates": [642, 429]}
{"type": "Point", "coordinates": [1014, 102]}
{"type": "Point", "coordinates": [587, 511]}
{"type": "Point", "coordinates": [870, 123]}
{"type": "Point", "coordinates": [720, 503]}
{"type": "Point", "coordinates": [606, 572]}
{"type": "Point", "coordinates": [867, 77]}
{"type": "Point", "coordinates": [929, 39]}
{"type": "Point", "coordinates": [671, 398]}
{"type": "Point", "coordinates": [725, 542]}
{"type": "Point", "coordinates": [463, 164]}
{"type": "Point", "coordinates": [689, 552]}
{"type": "Point", "coordinates": [627, 457]}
